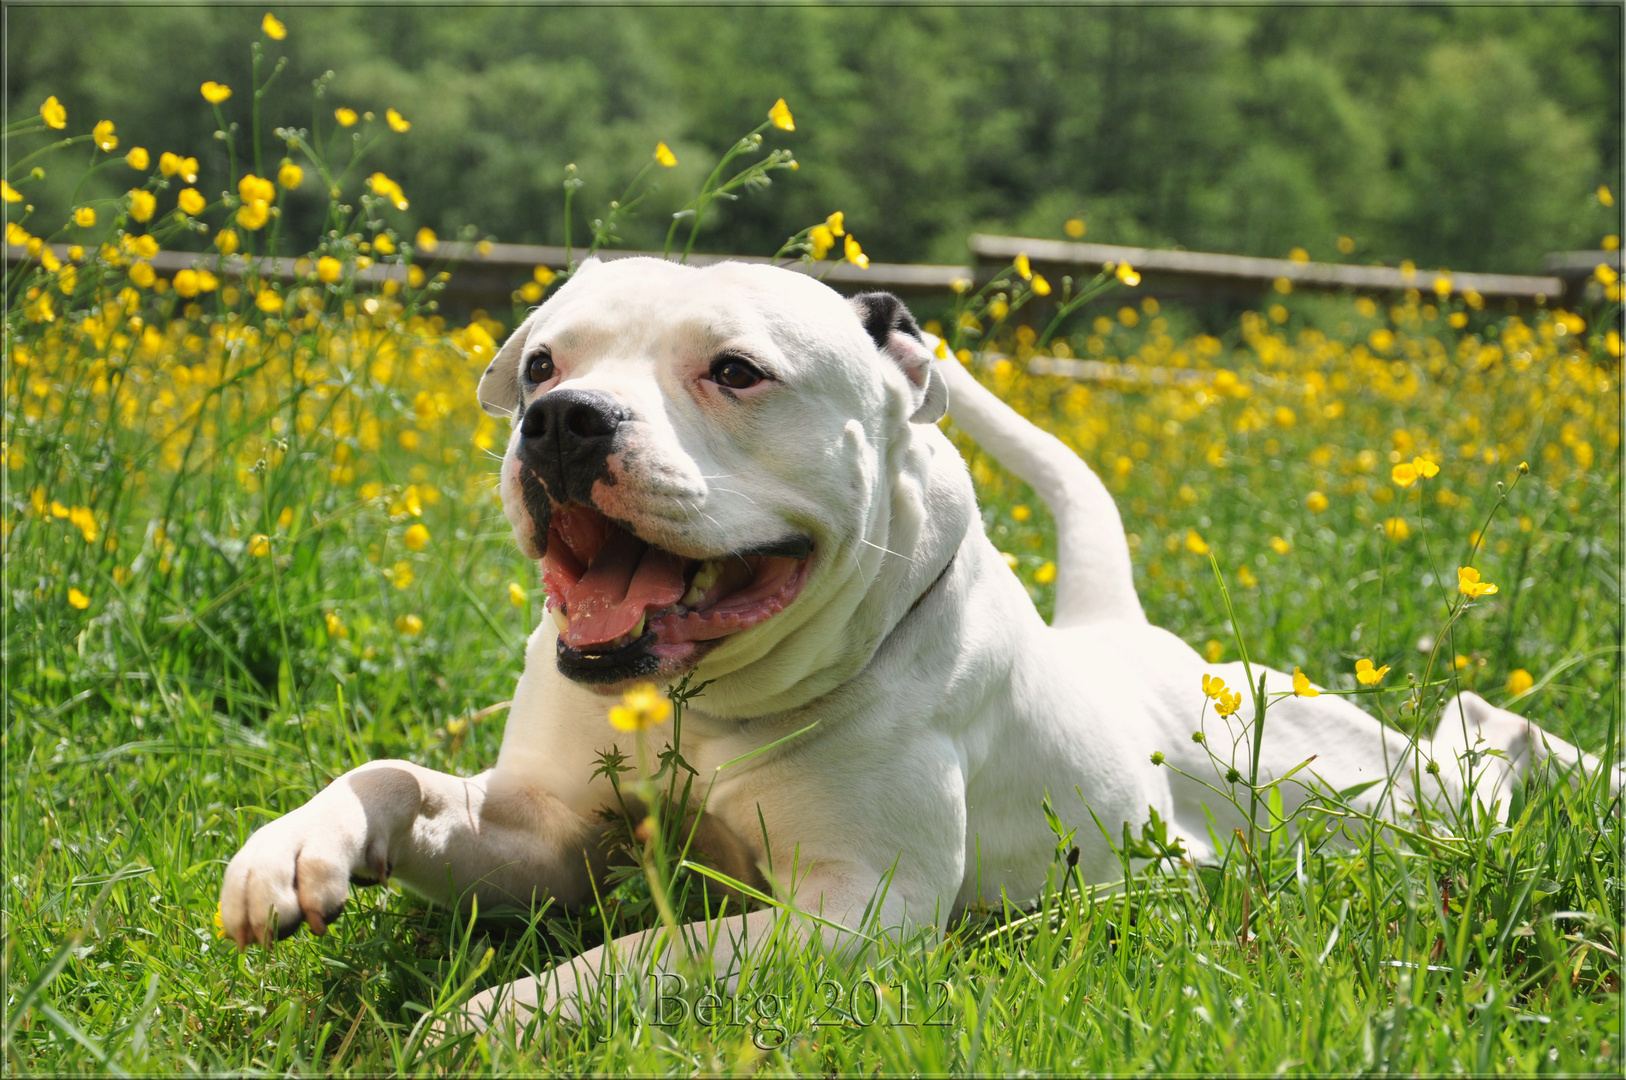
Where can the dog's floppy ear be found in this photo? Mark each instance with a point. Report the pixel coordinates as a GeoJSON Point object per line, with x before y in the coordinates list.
{"type": "Point", "coordinates": [499, 385]}
{"type": "Point", "coordinates": [899, 338]}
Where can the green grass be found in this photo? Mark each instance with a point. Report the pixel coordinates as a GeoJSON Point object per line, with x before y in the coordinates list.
{"type": "Point", "coordinates": [205, 690]}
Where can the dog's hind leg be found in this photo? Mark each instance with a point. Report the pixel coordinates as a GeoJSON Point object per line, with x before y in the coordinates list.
{"type": "Point", "coordinates": [1094, 580]}
{"type": "Point", "coordinates": [1493, 748]}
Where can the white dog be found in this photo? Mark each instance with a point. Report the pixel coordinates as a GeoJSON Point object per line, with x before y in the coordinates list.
{"type": "Point", "coordinates": [736, 472]}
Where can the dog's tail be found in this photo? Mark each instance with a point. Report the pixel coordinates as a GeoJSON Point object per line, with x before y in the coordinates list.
{"type": "Point", "coordinates": [1094, 582]}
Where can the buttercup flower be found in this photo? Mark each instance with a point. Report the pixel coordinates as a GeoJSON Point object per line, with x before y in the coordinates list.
{"type": "Point", "coordinates": [389, 189]}
{"type": "Point", "coordinates": [53, 113]}
{"type": "Point", "coordinates": [1301, 684]}
{"type": "Point", "coordinates": [1469, 585]}
{"type": "Point", "coordinates": [268, 301]}
{"type": "Point", "coordinates": [102, 135]}
{"type": "Point", "coordinates": [1074, 228]}
{"type": "Point", "coordinates": [397, 122]}
{"type": "Point", "coordinates": [78, 599]}
{"type": "Point", "coordinates": [174, 165]}
{"type": "Point", "coordinates": [854, 253]}
{"type": "Point", "coordinates": [1367, 675]}
{"type": "Point", "coordinates": [1126, 274]}
{"type": "Point", "coordinates": [84, 217]}
{"type": "Point", "coordinates": [328, 269]}
{"type": "Point", "coordinates": [137, 158]}
{"type": "Point", "coordinates": [1213, 686]}
{"type": "Point", "coordinates": [226, 241]}
{"type": "Point", "coordinates": [186, 284]}
{"type": "Point", "coordinates": [290, 175]}
{"type": "Point", "coordinates": [426, 240]}
{"type": "Point", "coordinates": [1316, 502]}
{"type": "Point", "coordinates": [822, 240]}
{"type": "Point", "coordinates": [191, 201]}
{"type": "Point", "coordinates": [1023, 267]}
{"type": "Point", "coordinates": [254, 215]}
{"type": "Point", "coordinates": [1280, 546]}
{"type": "Point", "coordinates": [543, 276]}
{"type": "Point", "coordinates": [664, 155]}
{"type": "Point", "coordinates": [142, 205]}
{"type": "Point", "coordinates": [272, 27]}
{"type": "Point", "coordinates": [9, 193]}
{"type": "Point", "coordinates": [516, 594]}
{"type": "Point", "coordinates": [1396, 528]}
{"type": "Point", "coordinates": [1520, 681]}
{"type": "Point", "coordinates": [837, 223]}
{"type": "Point", "coordinates": [1040, 285]}
{"type": "Point", "coordinates": [1228, 702]}
{"type": "Point", "coordinates": [1195, 543]}
{"type": "Point", "coordinates": [408, 625]}
{"type": "Point", "coordinates": [214, 93]}
{"type": "Point", "coordinates": [780, 115]}
{"type": "Point", "coordinates": [259, 546]}
{"type": "Point", "coordinates": [641, 708]}
{"type": "Point", "coordinates": [417, 537]}
{"type": "Point", "coordinates": [345, 117]}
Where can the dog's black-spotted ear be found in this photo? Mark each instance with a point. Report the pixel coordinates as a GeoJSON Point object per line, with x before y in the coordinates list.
{"type": "Point", "coordinates": [499, 392]}
{"type": "Point", "coordinates": [898, 336]}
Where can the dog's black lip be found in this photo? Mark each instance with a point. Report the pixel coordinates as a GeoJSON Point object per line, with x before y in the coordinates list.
{"type": "Point", "coordinates": [629, 661]}
{"type": "Point", "coordinates": [795, 546]}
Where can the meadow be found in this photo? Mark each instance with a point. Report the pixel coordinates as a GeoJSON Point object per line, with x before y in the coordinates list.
{"type": "Point", "coordinates": [252, 539]}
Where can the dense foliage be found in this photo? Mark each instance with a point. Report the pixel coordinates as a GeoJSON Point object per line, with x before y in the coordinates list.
{"type": "Point", "coordinates": [1468, 137]}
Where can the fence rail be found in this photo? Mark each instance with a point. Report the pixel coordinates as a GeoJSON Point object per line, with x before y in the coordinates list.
{"type": "Point", "coordinates": [487, 275]}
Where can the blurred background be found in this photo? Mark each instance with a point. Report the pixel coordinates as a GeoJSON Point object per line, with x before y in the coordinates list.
{"type": "Point", "coordinates": [1468, 137]}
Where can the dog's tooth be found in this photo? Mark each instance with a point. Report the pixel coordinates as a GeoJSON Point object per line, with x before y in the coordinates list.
{"type": "Point", "coordinates": [704, 578]}
{"type": "Point", "coordinates": [560, 619]}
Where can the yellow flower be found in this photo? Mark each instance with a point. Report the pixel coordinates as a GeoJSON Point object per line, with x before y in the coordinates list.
{"type": "Point", "coordinates": [9, 193]}
{"type": "Point", "coordinates": [1301, 684]}
{"type": "Point", "coordinates": [268, 301]}
{"type": "Point", "coordinates": [53, 113]}
{"type": "Point", "coordinates": [1605, 196]}
{"type": "Point", "coordinates": [397, 122]}
{"type": "Point", "coordinates": [822, 240]}
{"type": "Point", "coordinates": [1469, 585]}
{"type": "Point", "coordinates": [383, 244]}
{"type": "Point", "coordinates": [642, 707]}
{"type": "Point", "coordinates": [426, 240]}
{"type": "Point", "coordinates": [1520, 681]}
{"type": "Point", "coordinates": [259, 545]}
{"type": "Point", "coordinates": [1316, 502]}
{"type": "Point", "coordinates": [290, 175]}
{"type": "Point", "coordinates": [191, 201]}
{"type": "Point", "coordinates": [780, 115]}
{"type": "Point", "coordinates": [142, 205]}
{"type": "Point", "coordinates": [137, 158]}
{"type": "Point", "coordinates": [417, 537]}
{"type": "Point", "coordinates": [1227, 703]}
{"type": "Point", "coordinates": [1046, 573]}
{"type": "Point", "coordinates": [254, 215]}
{"type": "Point", "coordinates": [186, 284]}
{"type": "Point", "coordinates": [328, 269]}
{"type": "Point", "coordinates": [102, 135]}
{"type": "Point", "coordinates": [543, 276]}
{"type": "Point", "coordinates": [174, 165]}
{"type": "Point", "coordinates": [1396, 529]}
{"type": "Point", "coordinates": [256, 189]}
{"type": "Point", "coordinates": [1213, 685]}
{"type": "Point", "coordinates": [345, 117]}
{"type": "Point", "coordinates": [1346, 244]}
{"type": "Point", "coordinates": [214, 93]}
{"type": "Point", "coordinates": [389, 189]}
{"type": "Point", "coordinates": [1367, 675]}
{"type": "Point", "coordinates": [1040, 285]}
{"type": "Point", "coordinates": [75, 597]}
{"type": "Point", "coordinates": [664, 155]}
{"type": "Point", "coordinates": [142, 274]}
{"type": "Point", "coordinates": [1404, 474]}
{"type": "Point", "coordinates": [516, 594]}
{"type": "Point", "coordinates": [854, 253]}
{"type": "Point", "coordinates": [1245, 577]}
{"type": "Point", "coordinates": [409, 625]}
{"type": "Point", "coordinates": [1074, 228]}
{"type": "Point", "coordinates": [1459, 661]}
{"type": "Point", "coordinates": [1023, 267]}
{"type": "Point", "coordinates": [335, 625]}
{"type": "Point", "coordinates": [1213, 651]}
{"type": "Point", "coordinates": [1280, 546]}
{"type": "Point", "coordinates": [273, 28]}
{"type": "Point", "coordinates": [1195, 543]}
{"type": "Point", "coordinates": [84, 217]}
{"type": "Point", "coordinates": [1126, 274]}
{"type": "Point", "coordinates": [837, 223]}
{"type": "Point", "coordinates": [226, 241]}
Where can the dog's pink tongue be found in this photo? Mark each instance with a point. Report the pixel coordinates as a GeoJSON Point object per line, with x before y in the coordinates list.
{"type": "Point", "coordinates": [627, 577]}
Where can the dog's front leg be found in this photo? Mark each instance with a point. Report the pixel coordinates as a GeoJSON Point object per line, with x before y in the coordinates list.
{"type": "Point", "coordinates": [444, 836]}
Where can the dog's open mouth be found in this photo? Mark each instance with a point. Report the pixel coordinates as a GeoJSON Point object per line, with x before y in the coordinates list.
{"type": "Point", "coordinates": [624, 605]}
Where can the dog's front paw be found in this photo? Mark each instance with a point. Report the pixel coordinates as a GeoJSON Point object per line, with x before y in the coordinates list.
{"type": "Point", "coordinates": [294, 870]}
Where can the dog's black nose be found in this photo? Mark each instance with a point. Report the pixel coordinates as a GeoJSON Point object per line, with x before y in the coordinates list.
{"type": "Point", "coordinates": [565, 438]}
{"type": "Point", "coordinates": [571, 416]}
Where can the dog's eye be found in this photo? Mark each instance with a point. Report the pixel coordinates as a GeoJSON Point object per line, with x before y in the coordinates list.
{"type": "Point", "coordinates": [539, 369]}
{"type": "Point", "coordinates": [735, 372]}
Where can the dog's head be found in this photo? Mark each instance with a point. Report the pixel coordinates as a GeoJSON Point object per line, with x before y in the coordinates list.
{"type": "Point", "coordinates": [730, 468]}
